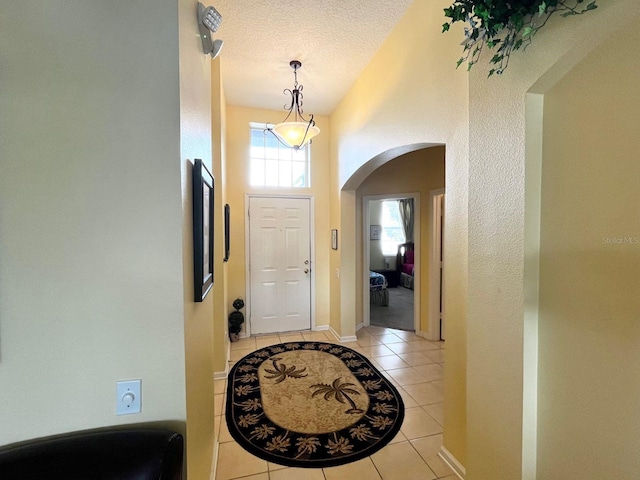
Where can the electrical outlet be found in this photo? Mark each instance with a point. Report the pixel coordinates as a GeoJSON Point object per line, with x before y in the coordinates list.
{"type": "Point", "coordinates": [128, 397]}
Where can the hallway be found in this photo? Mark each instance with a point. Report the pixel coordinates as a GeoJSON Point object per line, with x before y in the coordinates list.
{"type": "Point", "coordinates": [415, 367]}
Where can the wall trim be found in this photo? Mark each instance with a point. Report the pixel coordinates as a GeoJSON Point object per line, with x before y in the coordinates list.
{"type": "Point", "coordinates": [334, 333]}
{"type": "Point", "coordinates": [435, 247]}
{"type": "Point", "coordinates": [321, 328]}
{"type": "Point", "coordinates": [223, 375]}
{"type": "Point", "coordinates": [214, 464]}
{"type": "Point", "coordinates": [448, 458]}
{"type": "Point", "coordinates": [346, 339]}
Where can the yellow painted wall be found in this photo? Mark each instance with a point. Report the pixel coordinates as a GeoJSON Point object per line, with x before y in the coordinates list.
{"type": "Point", "coordinates": [409, 95]}
{"type": "Point", "coordinates": [221, 304]}
{"type": "Point", "coordinates": [335, 319]}
{"type": "Point", "coordinates": [421, 171]}
{"type": "Point", "coordinates": [590, 269]}
{"type": "Point", "coordinates": [237, 173]}
{"type": "Point", "coordinates": [91, 245]}
{"type": "Point", "coordinates": [196, 142]}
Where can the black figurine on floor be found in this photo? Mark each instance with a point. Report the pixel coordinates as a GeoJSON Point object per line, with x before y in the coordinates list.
{"type": "Point", "coordinates": [236, 319]}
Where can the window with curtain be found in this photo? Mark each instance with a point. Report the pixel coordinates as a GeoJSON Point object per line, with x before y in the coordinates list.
{"type": "Point", "coordinates": [274, 165]}
{"type": "Point", "coordinates": [392, 233]}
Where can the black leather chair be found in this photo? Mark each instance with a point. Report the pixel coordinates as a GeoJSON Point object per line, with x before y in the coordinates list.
{"type": "Point", "coordinates": [122, 454]}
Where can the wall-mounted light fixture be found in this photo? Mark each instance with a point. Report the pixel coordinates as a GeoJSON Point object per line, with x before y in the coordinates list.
{"type": "Point", "coordinates": [209, 20]}
{"type": "Point", "coordinates": [299, 132]}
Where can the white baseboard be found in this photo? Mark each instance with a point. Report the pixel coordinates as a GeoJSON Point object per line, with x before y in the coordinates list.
{"type": "Point", "coordinates": [223, 375]}
{"type": "Point", "coordinates": [334, 333]}
{"type": "Point", "coordinates": [214, 466]}
{"type": "Point", "coordinates": [359, 326]}
{"type": "Point", "coordinates": [448, 458]}
{"type": "Point", "coordinates": [427, 336]}
{"type": "Point", "coordinates": [351, 338]}
{"type": "Point", "coordinates": [321, 328]}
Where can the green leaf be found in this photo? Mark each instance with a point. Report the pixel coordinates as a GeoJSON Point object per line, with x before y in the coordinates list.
{"type": "Point", "coordinates": [542, 9]}
{"type": "Point", "coordinates": [505, 25]}
{"type": "Point", "coordinates": [459, 62]}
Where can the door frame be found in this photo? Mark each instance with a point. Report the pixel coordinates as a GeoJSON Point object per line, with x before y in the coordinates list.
{"type": "Point", "coordinates": [366, 252]}
{"type": "Point", "coordinates": [247, 254]}
{"type": "Point", "coordinates": [435, 228]}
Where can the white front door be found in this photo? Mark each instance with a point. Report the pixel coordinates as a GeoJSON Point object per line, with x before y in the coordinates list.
{"type": "Point", "coordinates": [279, 264]}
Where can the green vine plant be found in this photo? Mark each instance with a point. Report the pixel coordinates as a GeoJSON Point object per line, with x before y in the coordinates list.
{"type": "Point", "coordinates": [505, 26]}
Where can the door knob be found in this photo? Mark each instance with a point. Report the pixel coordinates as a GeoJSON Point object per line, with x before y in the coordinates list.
{"type": "Point", "coordinates": [306, 262]}
{"type": "Point", "coordinates": [306, 270]}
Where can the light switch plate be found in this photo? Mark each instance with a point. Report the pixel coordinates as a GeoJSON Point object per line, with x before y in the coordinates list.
{"type": "Point", "coordinates": [128, 397]}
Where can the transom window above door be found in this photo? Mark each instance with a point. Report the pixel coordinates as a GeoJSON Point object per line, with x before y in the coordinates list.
{"type": "Point", "coordinates": [275, 165]}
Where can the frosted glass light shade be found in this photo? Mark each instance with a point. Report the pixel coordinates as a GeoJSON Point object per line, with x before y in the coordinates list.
{"type": "Point", "coordinates": [293, 133]}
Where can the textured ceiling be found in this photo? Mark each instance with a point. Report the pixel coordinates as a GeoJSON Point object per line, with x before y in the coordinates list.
{"type": "Point", "coordinates": [334, 40]}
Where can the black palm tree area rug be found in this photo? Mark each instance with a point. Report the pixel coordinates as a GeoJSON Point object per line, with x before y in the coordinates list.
{"type": "Point", "coordinates": [311, 404]}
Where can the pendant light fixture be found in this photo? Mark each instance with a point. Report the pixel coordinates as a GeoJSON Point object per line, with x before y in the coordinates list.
{"type": "Point", "coordinates": [297, 133]}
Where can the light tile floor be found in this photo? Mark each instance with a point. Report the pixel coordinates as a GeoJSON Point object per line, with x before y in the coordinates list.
{"type": "Point", "coordinates": [414, 365]}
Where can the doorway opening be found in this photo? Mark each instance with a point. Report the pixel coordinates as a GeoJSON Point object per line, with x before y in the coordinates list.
{"type": "Point", "coordinates": [436, 265]}
{"type": "Point", "coordinates": [391, 233]}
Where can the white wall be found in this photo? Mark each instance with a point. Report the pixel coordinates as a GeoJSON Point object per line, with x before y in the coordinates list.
{"type": "Point", "coordinates": [91, 280]}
